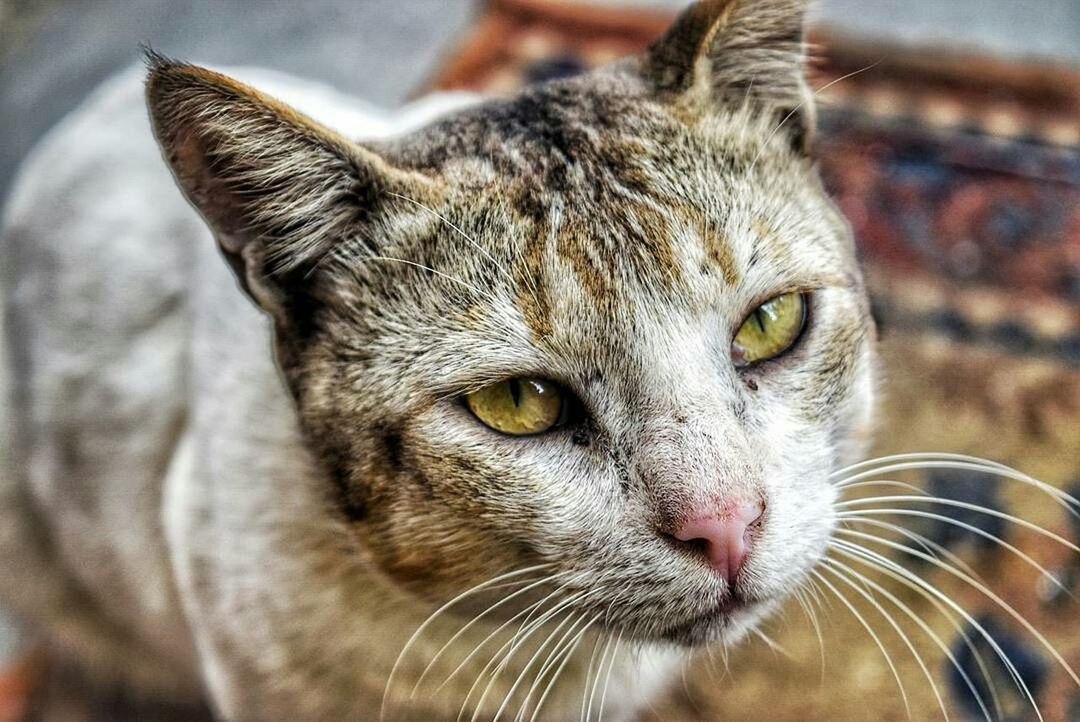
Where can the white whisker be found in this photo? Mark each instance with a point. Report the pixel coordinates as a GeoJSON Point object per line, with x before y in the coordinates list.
{"type": "Point", "coordinates": [434, 615]}
{"type": "Point", "coordinates": [772, 644]}
{"type": "Point", "coordinates": [479, 292]}
{"type": "Point", "coordinates": [533, 659]}
{"type": "Point", "coordinates": [982, 588]}
{"type": "Point", "coordinates": [904, 576]}
{"type": "Point", "coordinates": [927, 629]}
{"type": "Point", "coordinates": [566, 658]}
{"type": "Point", "coordinates": [917, 457]}
{"type": "Point", "coordinates": [839, 572]}
{"type": "Point", "coordinates": [927, 544]}
{"type": "Point", "coordinates": [596, 679]}
{"type": "Point", "coordinates": [873, 635]}
{"type": "Point", "coordinates": [960, 505]}
{"type": "Point", "coordinates": [993, 468]}
{"type": "Point", "coordinates": [607, 678]}
{"type": "Point", "coordinates": [568, 640]}
{"type": "Point", "coordinates": [962, 525]}
{"type": "Point", "coordinates": [476, 619]}
{"type": "Point", "coordinates": [799, 106]}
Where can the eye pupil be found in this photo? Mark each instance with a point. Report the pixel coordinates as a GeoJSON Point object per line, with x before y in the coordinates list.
{"type": "Point", "coordinates": [770, 329]}
{"type": "Point", "coordinates": [518, 406]}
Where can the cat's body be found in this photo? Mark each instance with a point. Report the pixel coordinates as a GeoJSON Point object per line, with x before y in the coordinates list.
{"type": "Point", "coordinates": [180, 516]}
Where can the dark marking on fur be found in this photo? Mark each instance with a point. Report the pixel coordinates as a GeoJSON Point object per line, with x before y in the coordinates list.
{"type": "Point", "coordinates": [392, 445]}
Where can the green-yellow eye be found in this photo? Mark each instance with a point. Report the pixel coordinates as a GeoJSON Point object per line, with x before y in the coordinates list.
{"type": "Point", "coordinates": [519, 406]}
{"type": "Point", "coordinates": [770, 330]}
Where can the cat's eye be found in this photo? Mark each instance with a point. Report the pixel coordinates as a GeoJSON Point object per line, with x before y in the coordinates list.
{"type": "Point", "coordinates": [770, 330]}
{"type": "Point", "coordinates": [519, 406]}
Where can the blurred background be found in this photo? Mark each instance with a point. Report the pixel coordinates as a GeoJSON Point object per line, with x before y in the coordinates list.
{"type": "Point", "coordinates": [53, 52]}
{"type": "Point", "coordinates": [955, 152]}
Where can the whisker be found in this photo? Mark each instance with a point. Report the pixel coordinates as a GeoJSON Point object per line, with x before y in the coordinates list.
{"type": "Point", "coordinates": [912, 581]}
{"type": "Point", "coordinates": [566, 658]}
{"type": "Point", "coordinates": [568, 640]}
{"type": "Point", "coordinates": [480, 292]}
{"type": "Point", "coordinates": [1049, 576]}
{"type": "Point", "coordinates": [527, 277]}
{"type": "Point", "coordinates": [522, 636]}
{"type": "Point", "coordinates": [607, 678]}
{"type": "Point", "coordinates": [589, 672]}
{"type": "Point", "coordinates": [1066, 501]}
{"type": "Point", "coordinates": [457, 228]}
{"type": "Point", "coordinates": [527, 612]}
{"type": "Point", "coordinates": [475, 620]}
{"type": "Point", "coordinates": [884, 482]}
{"type": "Point", "coordinates": [434, 615]}
{"type": "Point", "coordinates": [599, 672]}
{"type": "Point", "coordinates": [982, 588]}
{"type": "Point", "coordinates": [839, 571]}
{"type": "Point", "coordinates": [807, 606]}
{"type": "Point", "coordinates": [800, 105]}
{"type": "Point", "coordinates": [927, 544]}
{"type": "Point", "coordinates": [772, 644]}
{"type": "Point", "coordinates": [929, 631]}
{"type": "Point", "coordinates": [873, 635]}
{"type": "Point", "coordinates": [492, 669]}
{"type": "Point", "coordinates": [534, 658]}
{"type": "Point", "coordinates": [960, 505]}
{"type": "Point", "coordinates": [917, 457]}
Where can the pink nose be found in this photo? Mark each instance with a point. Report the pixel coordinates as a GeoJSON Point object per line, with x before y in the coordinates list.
{"type": "Point", "coordinates": [724, 538]}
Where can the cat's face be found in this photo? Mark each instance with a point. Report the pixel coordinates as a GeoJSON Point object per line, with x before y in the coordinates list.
{"type": "Point", "coordinates": [608, 234]}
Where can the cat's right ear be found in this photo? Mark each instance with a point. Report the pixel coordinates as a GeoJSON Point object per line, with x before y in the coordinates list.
{"type": "Point", "coordinates": [279, 190]}
{"type": "Point", "coordinates": [729, 52]}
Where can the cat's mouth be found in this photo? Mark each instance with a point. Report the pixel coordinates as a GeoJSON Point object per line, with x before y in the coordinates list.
{"type": "Point", "coordinates": [731, 614]}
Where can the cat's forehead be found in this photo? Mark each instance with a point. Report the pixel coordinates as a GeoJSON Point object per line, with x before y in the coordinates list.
{"type": "Point", "coordinates": [608, 214]}
{"type": "Point", "coordinates": [574, 133]}
{"type": "Point", "coordinates": [570, 119]}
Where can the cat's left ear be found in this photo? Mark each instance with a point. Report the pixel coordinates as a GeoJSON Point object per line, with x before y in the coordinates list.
{"type": "Point", "coordinates": [729, 52]}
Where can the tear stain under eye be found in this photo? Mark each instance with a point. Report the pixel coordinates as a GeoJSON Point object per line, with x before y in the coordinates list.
{"type": "Point", "coordinates": [581, 437]}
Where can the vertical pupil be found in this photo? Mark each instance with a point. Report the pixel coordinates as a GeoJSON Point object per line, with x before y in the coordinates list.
{"type": "Point", "coordinates": [515, 391]}
{"type": "Point", "coordinates": [760, 318]}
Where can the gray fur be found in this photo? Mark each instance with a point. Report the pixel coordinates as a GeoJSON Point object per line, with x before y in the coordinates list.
{"type": "Point", "coordinates": [187, 517]}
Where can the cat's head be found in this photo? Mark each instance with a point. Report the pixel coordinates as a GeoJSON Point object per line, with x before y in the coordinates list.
{"type": "Point", "coordinates": [611, 325]}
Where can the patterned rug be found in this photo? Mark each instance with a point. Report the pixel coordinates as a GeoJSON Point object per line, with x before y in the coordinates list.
{"type": "Point", "coordinates": [961, 177]}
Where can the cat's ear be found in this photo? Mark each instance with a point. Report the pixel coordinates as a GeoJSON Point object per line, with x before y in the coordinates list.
{"type": "Point", "coordinates": [278, 189]}
{"type": "Point", "coordinates": [736, 51]}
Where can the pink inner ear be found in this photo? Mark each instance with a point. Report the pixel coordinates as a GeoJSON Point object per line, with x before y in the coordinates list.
{"type": "Point", "coordinates": [212, 194]}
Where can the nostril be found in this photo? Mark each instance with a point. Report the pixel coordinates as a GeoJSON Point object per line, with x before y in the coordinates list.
{"type": "Point", "coordinates": [697, 546]}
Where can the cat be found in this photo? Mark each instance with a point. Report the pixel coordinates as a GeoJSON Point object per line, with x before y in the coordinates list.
{"type": "Point", "coordinates": [578, 362]}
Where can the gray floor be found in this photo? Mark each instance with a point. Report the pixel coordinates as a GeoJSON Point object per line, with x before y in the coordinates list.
{"type": "Point", "coordinates": [52, 52]}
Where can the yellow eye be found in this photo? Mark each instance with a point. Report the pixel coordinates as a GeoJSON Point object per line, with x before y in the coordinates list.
{"type": "Point", "coordinates": [518, 406]}
{"type": "Point", "coordinates": [770, 330]}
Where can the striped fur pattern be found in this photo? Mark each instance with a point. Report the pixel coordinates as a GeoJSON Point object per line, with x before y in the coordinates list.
{"type": "Point", "coordinates": [609, 232]}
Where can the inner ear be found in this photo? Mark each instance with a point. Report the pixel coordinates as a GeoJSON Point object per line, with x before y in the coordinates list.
{"type": "Point", "coordinates": [279, 190]}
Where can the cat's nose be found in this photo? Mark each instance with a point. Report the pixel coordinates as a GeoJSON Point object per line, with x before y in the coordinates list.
{"type": "Point", "coordinates": [723, 537]}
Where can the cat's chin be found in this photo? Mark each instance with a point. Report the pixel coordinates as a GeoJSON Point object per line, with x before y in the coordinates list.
{"type": "Point", "coordinates": [729, 622]}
